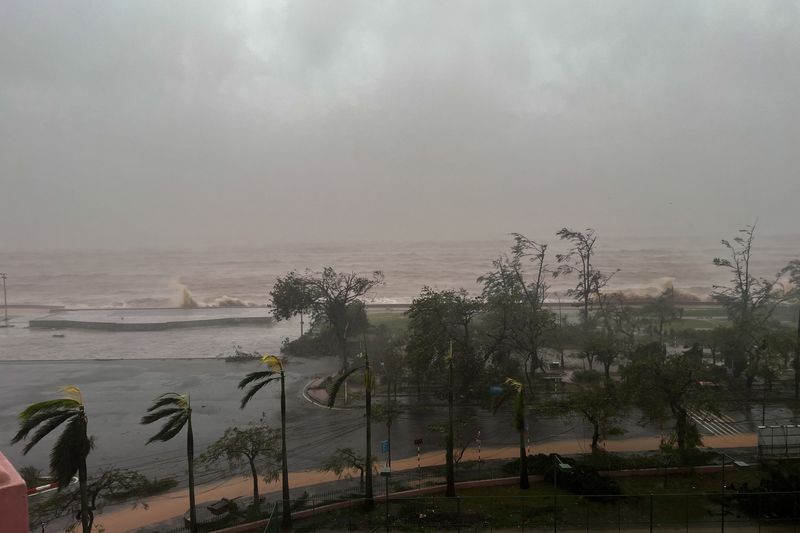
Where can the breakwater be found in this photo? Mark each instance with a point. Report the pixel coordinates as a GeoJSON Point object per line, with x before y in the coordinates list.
{"type": "Point", "coordinates": [151, 319]}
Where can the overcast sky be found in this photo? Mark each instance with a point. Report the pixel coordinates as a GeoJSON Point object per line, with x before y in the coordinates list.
{"type": "Point", "coordinates": [166, 123]}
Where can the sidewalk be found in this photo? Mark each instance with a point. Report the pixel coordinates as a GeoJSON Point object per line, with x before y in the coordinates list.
{"type": "Point", "coordinates": [175, 503]}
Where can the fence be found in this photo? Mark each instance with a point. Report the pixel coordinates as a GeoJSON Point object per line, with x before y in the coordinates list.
{"type": "Point", "coordinates": [778, 441]}
{"type": "Point", "coordinates": [778, 512]}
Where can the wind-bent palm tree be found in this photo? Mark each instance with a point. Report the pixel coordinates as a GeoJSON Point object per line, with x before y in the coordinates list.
{"type": "Point", "coordinates": [257, 380]}
{"type": "Point", "coordinates": [369, 500]}
{"type": "Point", "coordinates": [517, 389]}
{"type": "Point", "coordinates": [177, 410]}
{"type": "Point", "coordinates": [72, 446]}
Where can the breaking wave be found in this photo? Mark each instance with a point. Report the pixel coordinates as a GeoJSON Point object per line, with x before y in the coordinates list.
{"type": "Point", "coordinates": [188, 301]}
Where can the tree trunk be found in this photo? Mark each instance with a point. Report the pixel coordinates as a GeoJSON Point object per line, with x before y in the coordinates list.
{"type": "Point", "coordinates": [680, 429]}
{"type": "Point", "coordinates": [595, 436]}
{"type": "Point", "coordinates": [86, 523]}
{"type": "Point", "coordinates": [524, 483]}
{"type": "Point", "coordinates": [368, 497]}
{"type": "Point", "coordinates": [254, 473]}
{"type": "Point", "coordinates": [190, 455]}
{"type": "Point", "coordinates": [286, 512]}
{"type": "Point", "coordinates": [451, 481]}
{"type": "Point", "coordinates": [797, 359]}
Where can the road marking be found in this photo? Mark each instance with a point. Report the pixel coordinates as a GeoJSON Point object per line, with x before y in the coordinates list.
{"type": "Point", "coordinates": [713, 424]}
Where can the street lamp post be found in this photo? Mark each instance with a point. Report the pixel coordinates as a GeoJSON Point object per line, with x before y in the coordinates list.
{"type": "Point", "coordinates": [5, 302]}
{"type": "Point", "coordinates": [558, 464]}
{"type": "Point", "coordinates": [388, 468]}
{"type": "Point", "coordinates": [723, 507]}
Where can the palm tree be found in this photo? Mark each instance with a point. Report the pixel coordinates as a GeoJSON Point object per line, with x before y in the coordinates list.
{"type": "Point", "coordinates": [334, 391]}
{"type": "Point", "coordinates": [72, 446]}
{"type": "Point", "coordinates": [517, 389]}
{"type": "Point", "coordinates": [257, 380]}
{"type": "Point", "coordinates": [177, 410]}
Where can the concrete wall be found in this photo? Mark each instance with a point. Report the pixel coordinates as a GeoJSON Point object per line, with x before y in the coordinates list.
{"type": "Point", "coordinates": [13, 499]}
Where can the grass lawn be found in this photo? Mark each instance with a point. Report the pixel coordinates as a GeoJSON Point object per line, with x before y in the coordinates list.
{"type": "Point", "coordinates": [693, 498]}
{"type": "Point", "coordinates": [396, 321]}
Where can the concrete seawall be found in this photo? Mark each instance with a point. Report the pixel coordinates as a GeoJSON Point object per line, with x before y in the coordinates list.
{"type": "Point", "coordinates": [151, 319]}
{"type": "Point", "coordinates": [149, 326]}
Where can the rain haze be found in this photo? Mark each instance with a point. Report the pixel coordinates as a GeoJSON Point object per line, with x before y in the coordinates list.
{"type": "Point", "coordinates": [149, 124]}
{"type": "Point", "coordinates": [528, 240]}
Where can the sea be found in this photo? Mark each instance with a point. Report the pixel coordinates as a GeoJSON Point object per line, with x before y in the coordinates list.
{"type": "Point", "coordinates": [244, 276]}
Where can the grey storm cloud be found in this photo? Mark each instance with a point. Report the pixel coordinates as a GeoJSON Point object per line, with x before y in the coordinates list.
{"type": "Point", "coordinates": [161, 123]}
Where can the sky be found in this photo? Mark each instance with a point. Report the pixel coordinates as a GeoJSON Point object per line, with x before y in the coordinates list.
{"type": "Point", "coordinates": [163, 124]}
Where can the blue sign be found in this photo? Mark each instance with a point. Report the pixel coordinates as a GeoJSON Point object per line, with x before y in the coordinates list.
{"type": "Point", "coordinates": [384, 446]}
{"type": "Point", "coordinates": [496, 390]}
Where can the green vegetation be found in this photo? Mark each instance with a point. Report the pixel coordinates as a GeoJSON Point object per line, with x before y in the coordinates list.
{"type": "Point", "coordinates": [177, 410]}
{"type": "Point", "coordinates": [69, 453]}
{"type": "Point", "coordinates": [256, 381]}
{"type": "Point", "coordinates": [255, 446]}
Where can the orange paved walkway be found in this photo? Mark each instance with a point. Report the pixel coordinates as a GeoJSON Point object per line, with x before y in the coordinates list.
{"type": "Point", "coordinates": [173, 504]}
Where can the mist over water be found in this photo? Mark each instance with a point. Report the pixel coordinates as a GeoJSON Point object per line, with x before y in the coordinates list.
{"type": "Point", "coordinates": [243, 277]}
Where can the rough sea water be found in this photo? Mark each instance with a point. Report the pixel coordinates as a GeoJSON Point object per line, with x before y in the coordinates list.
{"type": "Point", "coordinates": [227, 277]}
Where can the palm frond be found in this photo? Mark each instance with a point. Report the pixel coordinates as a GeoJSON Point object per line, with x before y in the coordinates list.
{"type": "Point", "coordinates": [253, 390]}
{"type": "Point", "coordinates": [55, 420]}
{"type": "Point", "coordinates": [70, 450]}
{"type": "Point", "coordinates": [336, 385]}
{"type": "Point", "coordinates": [273, 362]}
{"type": "Point", "coordinates": [155, 416]}
{"type": "Point", "coordinates": [255, 376]}
{"type": "Point", "coordinates": [47, 405]}
{"type": "Point", "coordinates": [73, 392]}
{"type": "Point", "coordinates": [171, 427]}
{"type": "Point", "coordinates": [169, 398]}
{"type": "Point", "coordinates": [39, 417]}
{"type": "Point", "coordinates": [512, 386]}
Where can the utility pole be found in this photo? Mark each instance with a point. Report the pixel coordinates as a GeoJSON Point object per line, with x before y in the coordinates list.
{"type": "Point", "coordinates": [5, 302]}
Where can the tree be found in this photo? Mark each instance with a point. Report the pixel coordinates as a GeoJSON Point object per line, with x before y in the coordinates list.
{"type": "Point", "coordinates": [662, 310]}
{"type": "Point", "coordinates": [176, 410]}
{"type": "Point", "coordinates": [748, 301]}
{"type": "Point", "coordinates": [578, 259]}
{"type": "Point", "coordinates": [620, 324]}
{"type": "Point", "coordinates": [664, 385]}
{"type": "Point", "coordinates": [465, 433]}
{"type": "Point", "coordinates": [333, 298]}
{"type": "Point", "coordinates": [515, 293]}
{"type": "Point", "coordinates": [335, 387]}
{"type": "Point", "coordinates": [106, 486]}
{"type": "Point", "coordinates": [344, 460]}
{"type": "Point", "coordinates": [437, 318]}
{"type": "Point", "coordinates": [516, 390]}
{"type": "Point", "coordinates": [290, 296]}
{"type": "Point", "coordinates": [31, 475]}
{"type": "Point", "coordinates": [792, 271]}
{"type": "Point", "coordinates": [72, 447]}
{"type": "Point", "coordinates": [599, 401]}
{"type": "Point", "coordinates": [257, 381]}
{"type": "Point", "coordinates": [256, 446]}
